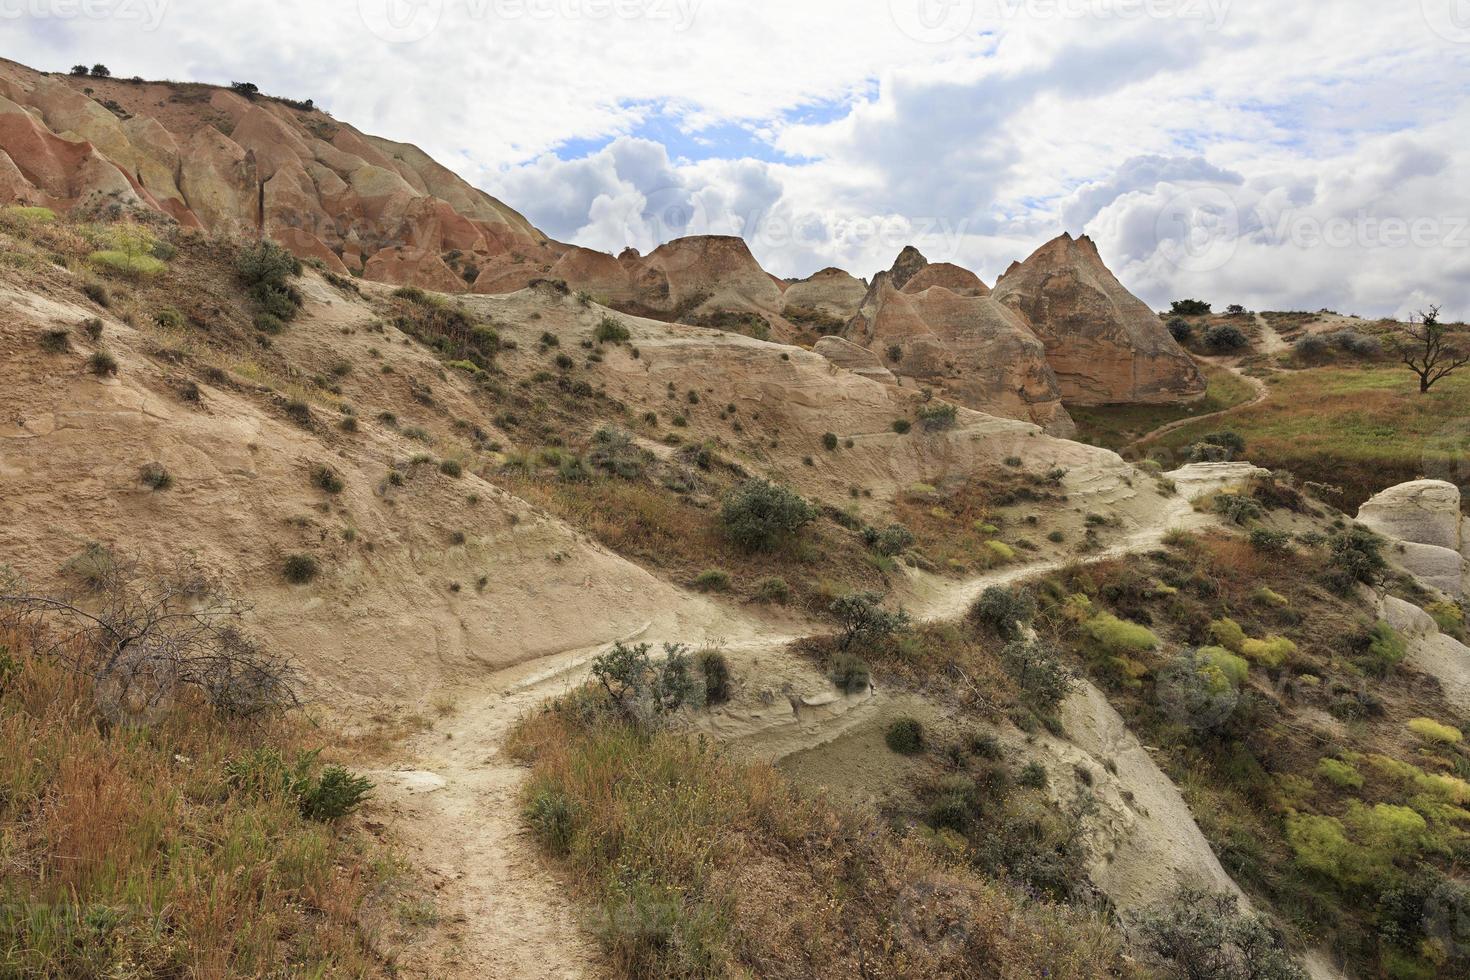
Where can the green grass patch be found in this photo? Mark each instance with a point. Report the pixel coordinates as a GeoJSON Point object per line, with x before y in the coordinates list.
{"type": "Point", "coordinates": [1116, 426]}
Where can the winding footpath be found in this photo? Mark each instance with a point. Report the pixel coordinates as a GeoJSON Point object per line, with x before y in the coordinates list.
{"type": "Point", "coordinates": [456, 807]}
{"type": "Point", "coordinates": [1270, 343]}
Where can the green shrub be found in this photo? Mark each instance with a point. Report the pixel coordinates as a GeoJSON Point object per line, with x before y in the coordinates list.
{"type": "Point", "coordinates": [893, 540]}
{"type": "Point", "coordinates": [645, 691]}
{"type": "Point", "coordinates": [1386, 649]}
{"type": "Point", "coordinates": [1225, 337]}
{"type": "Point", "coordinates": [1044, 680]}
{"type": "Point", "coordinates": [614, 451]}
{"type": "Point", "coordinates": [56, 341]}
{"type": "Point", "coordinates": [155, 477]}
{"type": "Point", "coordinates": [1205, 935]}
{"type": "Point", "coordinates": [169, 318]}
{"type": "Point", "coordinates": [1358, 555]}
{"type": "Point", "coordinates": [550, 816]}
{"type": "Point", "coordinates": [864, 621]}
{"type": "Point", "coordinates": [935, 417]}
{"type": "Point", "coordinates": [1237, 508]}
{"type": "Point", "coordinates": [1004, 610]}
{"type": "Point", "coordinates": [266, 269]}
{"type": "Point", "coordinates": [1270, 542]}
{"type": "Point", "coordinates": [1000, 552]}
{"type": "Point", "coordinates": [718, 682]}
{"type": "Point", "coordinates": [773, 589]}
{"type": "Point", "coordinates": [902, 426]}
{"type": "Point", "coordinates": [712, 580]}
{"type": "Point", "coordinates": [829, 441]}
{"type": "Point", "coordinates": [905, 736]}
{"type": "Point", "coordinates": [299, 569]}
{"type": "Point", "coordinates": [326, 478]}
{"type": "Point", "coordinates": [451, 468]}
{"type": "Point", "coordinates": [330, 795]}
{"type": "Point", "coordinates": [1032, 776]}
{"type": "Point", "coordinates": [611, 330]}
{"type": "Point", "coordinates": [102, 363]}
{"type": "Point", "coordinates": [850, 673]}
{"type": "Point", "coordinates": [758, 515]}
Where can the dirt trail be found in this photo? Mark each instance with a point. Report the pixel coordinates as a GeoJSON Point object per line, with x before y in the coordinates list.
{"type": "Point", "coordinates": [1270, 343]}
{"type": "Point", "coordinates": [454, 799]}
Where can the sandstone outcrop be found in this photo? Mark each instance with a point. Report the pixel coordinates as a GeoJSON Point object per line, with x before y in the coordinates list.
{"type": "Point", "coordinates": [1423, 517]}
{"type": "Point", "coordinates": [979, 352]}
{"type": "Point", "coordinates": [851, 357]}
{"type": "Point", "coordinates": [1104, 344]}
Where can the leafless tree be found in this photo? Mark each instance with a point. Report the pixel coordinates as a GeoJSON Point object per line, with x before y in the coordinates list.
{"type": "Point", "coordinates": [145, 635]}
{"type": "Point", "coordinates": [1422, 344]}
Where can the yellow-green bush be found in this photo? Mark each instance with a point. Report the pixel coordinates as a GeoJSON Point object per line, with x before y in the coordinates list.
{"type": "Point", "coordinates": [1433, 731]}
{"type": "Point", "coordinates": [1343, 775]}
{"type": "Point", "coordinates": [1270, 652]}
{"type": "Point", "coordinates": [1232, 668]}
{"type": "Point", "coordinates": [123, 263]}
{"type": "Point", "coordinates": [1447, 615]}
{"type": "Point", "coordinates": [1228, 634]}
{"type": "Point", "coordinates": [1120, 637]}
{"type": "Point", "coordinates": [1000, 552]}
{"type": "Point", "coordinates": [1271, 597]}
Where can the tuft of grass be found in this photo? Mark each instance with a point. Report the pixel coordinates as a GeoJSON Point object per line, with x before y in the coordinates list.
{"type": "Point", "coordinates": [326, 478]}
{"type": "Point", "coordinates": [155, 477]}
{"type": "Point", "coordinates": [102, 363]}
{"type": "Point", "coordinates": [1435, 732]}
{"type": "Point", "coordinates": [56, 341]}
{"type": "Point", "coordinates": [712, 580]}
{"type": "Point", "coordinates": [300, 569]}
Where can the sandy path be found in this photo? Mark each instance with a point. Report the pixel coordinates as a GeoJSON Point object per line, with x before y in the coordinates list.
{"type": "Point", "coordinates": [454, 802]}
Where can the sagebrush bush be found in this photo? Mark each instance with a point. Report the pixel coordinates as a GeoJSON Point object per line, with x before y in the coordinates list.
{"type": "Point", "coordinates": [850, 673]}
{"type": "Point", "coordinates": [1207, 936]}
{"type": "Point", "coordinates": [326, 478]}
{"type": "Point", "coordinates": [1004, 610]}
{"type": "Point", "coordinates": [719, 683]}
{"type": "Point", "coordinates": [611, 330]}
{"type": "Point", "coordinates": [55, 341]}
{"type": "Point", "coordinates": [758, 515]}
{"type": "Point", "coordinates": [773, 589]}
{"type": "Point", "coordinates": [299, 569]}
{"type": "Point", "coordinates": [102, 363]}
{"type": "Point", "coordinates": [905, 736]}
{"type": "Point", "coordinates": [712, 580]}
{"type": "Point", "coordinates": [864, 621]}
{"type": "Point", "coordinates": [155, 477]}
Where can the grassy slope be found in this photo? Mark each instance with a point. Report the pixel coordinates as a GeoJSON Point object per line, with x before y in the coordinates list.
{"type": "Point", "coordinates": [1360, 428]}
{"type": "Point", "coordinates": [1248, 781]}
{"type": "Point", "coordinates": [127, 852]}
{"type": "Point", "coordinates": [698, 865]}
{"type": "Point", "coordinates": [1115, 426]}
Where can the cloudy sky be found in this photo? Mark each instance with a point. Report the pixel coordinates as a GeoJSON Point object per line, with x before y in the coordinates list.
{"type": "Point", "coordinates": [1281, 155]}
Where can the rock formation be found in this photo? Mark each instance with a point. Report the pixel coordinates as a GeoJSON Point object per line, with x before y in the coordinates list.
{"type": "Point", "coordinates": [1424, 518]}
{"type": "Point", "coordinates": [240, 163]}
{"type": "Point", "coordinates": [1104, 344]}
{"type": "Point", "coordinates": [979, 352]}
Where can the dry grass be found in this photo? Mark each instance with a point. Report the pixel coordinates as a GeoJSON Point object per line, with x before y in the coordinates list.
{"type": "Point", "coordinates": [680, 538]}
{"type": "Point", "coordinates": [1382, 431]}
{"type": "Point", "coordinates": [128, 853]}
{"type": "Point", "coordinates": [701, 866]}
